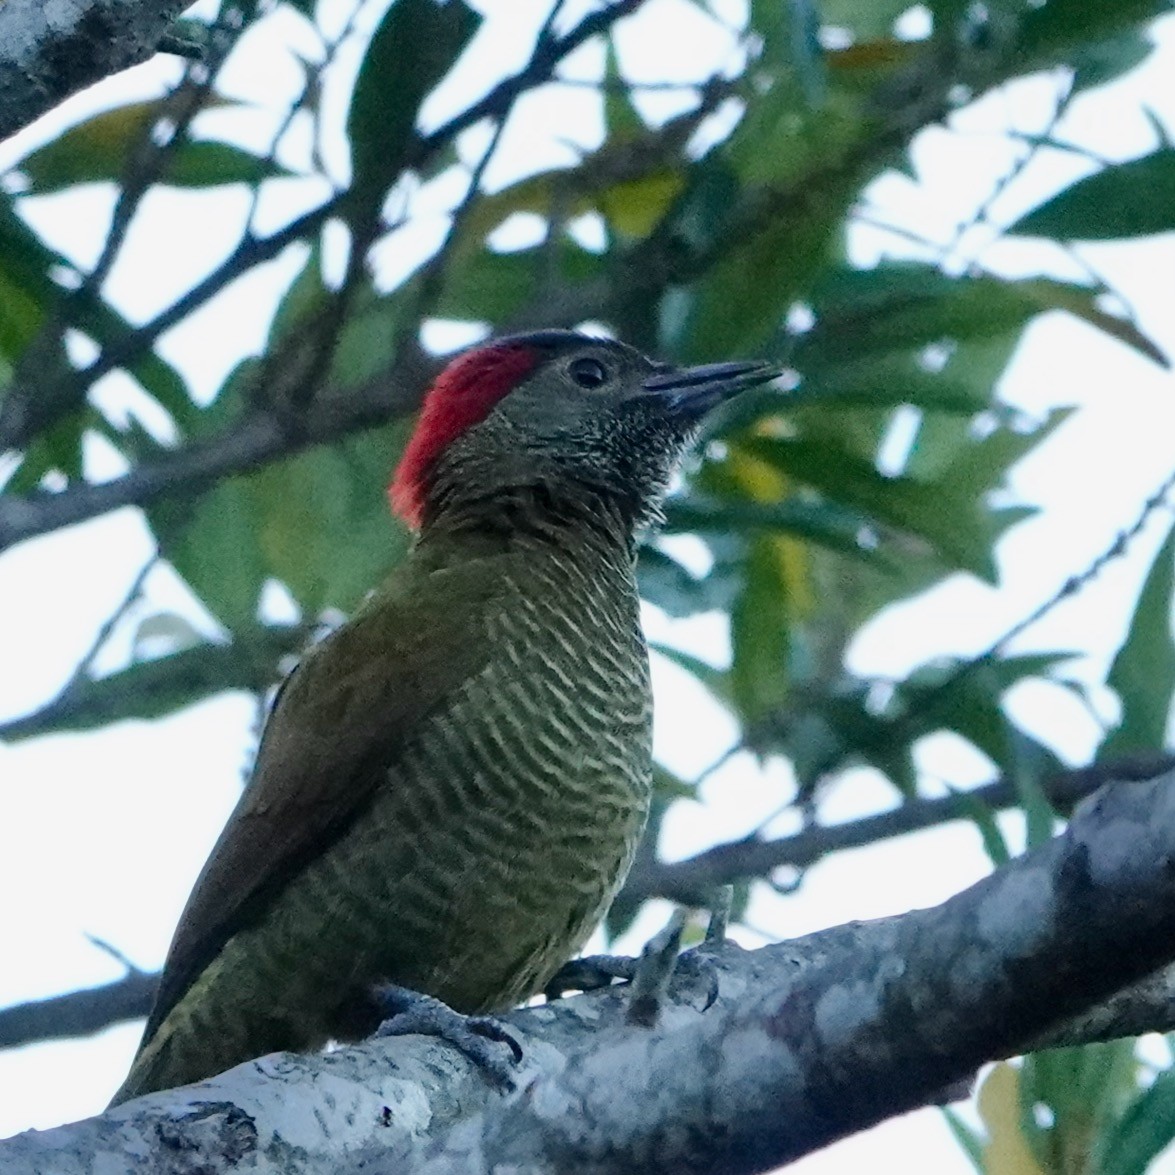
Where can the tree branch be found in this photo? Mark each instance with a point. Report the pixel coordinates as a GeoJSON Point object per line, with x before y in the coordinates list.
{"type": "Point", "coordinates": [49, 51]}
{"type": "Point", "coordinates": [265, 436]}
{"type": "Point", "coordinates": [692, 880]}
{"type": "Point", "coordinates": [803, 1043]}
{"type": "Point", "coordinates": [78, 1013]}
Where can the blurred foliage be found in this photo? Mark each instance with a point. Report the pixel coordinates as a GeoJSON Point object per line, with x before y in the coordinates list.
{"type": "Point", "coordinates": [1094, 1110]}
{"type": "Point", "coordinates": [718, 232]}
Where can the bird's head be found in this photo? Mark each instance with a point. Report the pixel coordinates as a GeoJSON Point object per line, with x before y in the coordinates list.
{"type": "Point", "coordinates": [560, 415]}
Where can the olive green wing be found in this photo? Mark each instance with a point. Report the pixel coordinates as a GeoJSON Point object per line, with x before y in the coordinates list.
{"type": "Point", "coordinates": [336, 728]}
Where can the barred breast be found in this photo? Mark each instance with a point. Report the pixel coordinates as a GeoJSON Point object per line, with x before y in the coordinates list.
{"type": "Point", "coordinates": [522, 803]}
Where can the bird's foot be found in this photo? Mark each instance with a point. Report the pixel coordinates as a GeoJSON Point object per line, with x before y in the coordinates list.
{"type": "Point", "coordinates": [654, 969]}
{"type": "Point", "coordinates": [590, 974]}
{"type": "Point", "coordinates": [480, 1038]}
{"type": "Point", "coordinates": [649, 975]}
{"type": "Point", "coordinates": [720, 906]}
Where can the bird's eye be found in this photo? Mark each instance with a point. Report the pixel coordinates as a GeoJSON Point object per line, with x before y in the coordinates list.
{"type": "Point", "coordinates": [588, 373]}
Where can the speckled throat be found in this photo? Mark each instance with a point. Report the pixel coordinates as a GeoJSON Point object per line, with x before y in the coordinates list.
{"type": "Point", "coordinates": [497, 836]}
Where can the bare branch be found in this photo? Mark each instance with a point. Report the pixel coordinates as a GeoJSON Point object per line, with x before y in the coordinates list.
{"type": "Point", "coordinates": [260, 438]}
{"type": "Point", "coordinates": [690, 881]}
{"type": "Point", "coordinates": [49, 51]}
{"type": "Point", "coordinates": [804, 1043]}
{"type": "Point", "coordinates": [1146, 1006]}
{"type": "Point", "coordinates": [78, 1013]}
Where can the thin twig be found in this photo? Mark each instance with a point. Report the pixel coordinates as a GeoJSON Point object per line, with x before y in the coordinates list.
{"type": "Point", "coordinates": [1065, 95]}
{"type": "Point", "coordinates": [251, 251]}
{"type": "Point", "coordinates": [1075, 583]}
{"type": "Point", "coordinates": [86, 664]}
{"type": "Point", "coordinates": [42, 393]}
{"type": "Point", "coordinates": [108, 948]}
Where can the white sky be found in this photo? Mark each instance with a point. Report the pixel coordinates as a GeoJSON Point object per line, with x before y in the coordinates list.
{"type": "Point", "coordinates": [103, 834]}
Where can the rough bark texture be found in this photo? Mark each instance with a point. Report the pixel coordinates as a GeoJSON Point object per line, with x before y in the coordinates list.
{"type": "Point", "coordinates": [50, 49]}
{"type": "Point", "coordinates": [804, 1043]}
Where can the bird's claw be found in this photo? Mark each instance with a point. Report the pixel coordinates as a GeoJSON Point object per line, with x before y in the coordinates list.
{"type": "Point", "coordinates": [478, 1037]}
{"type": "Point", "coordinates": [654, 969]}
{"type": "Point", "coordinates": [589, 974]}
{"type": "Point", "coordinates": [650, 975]}
{"type": "Point", "coordinates": [720, 906]}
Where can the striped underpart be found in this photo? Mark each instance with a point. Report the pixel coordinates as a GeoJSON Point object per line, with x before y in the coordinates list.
{"type": "Point", "coordinates": [510, 821]}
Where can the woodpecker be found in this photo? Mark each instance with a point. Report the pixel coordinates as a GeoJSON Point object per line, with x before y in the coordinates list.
{"type": "Point", "coordinates": [450, 788]}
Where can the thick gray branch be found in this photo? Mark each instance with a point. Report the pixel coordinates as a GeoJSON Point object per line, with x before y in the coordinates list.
{"type": "Point", "coordinates": [50, 49]}
{"type": "Point", "coordinates": [805, 1042]}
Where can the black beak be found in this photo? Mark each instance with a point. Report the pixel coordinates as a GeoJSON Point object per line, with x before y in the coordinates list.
{"type": "Point", "coordinates": [692, 391]}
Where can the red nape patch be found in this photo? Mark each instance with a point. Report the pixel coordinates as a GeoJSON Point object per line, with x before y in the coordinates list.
{"type": "Point", "coordinates": [463, 395]}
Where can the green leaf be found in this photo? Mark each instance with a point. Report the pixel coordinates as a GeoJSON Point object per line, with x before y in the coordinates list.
{"type": "Point", "coordinates": [945, 513]}
{"type": "Point", "coordinates": [745, 298]}
{"type": "Point", "coordinates": [1143, 671]}
{"type": "Point", "coordinates": [209, 539]}
{"type": "Point", "coordinates": [318, 522]}
{"type": "Point", "coordinates": [1048, 30]}
{"type": "Point", "coordinates": [717, 681]}
{"type": "Point", "coordinates": [58, 447]}
{"type": "Point", "coordinates": [92, 151]}
{"type": "Point", "coordinates": [969, 1142]}
{"type": "Point", "coordinates": [994, 844]}
{"type": "Point", "coordinates": [157, 377]}
{"type": "Point", "coordinates": [760, 634]}
{"type": "Point", "coordinates": [97, 151]}
{"type": "Point", "coordinates": [303, 300]}
{"type": "Point", "coordinates": [827, 523]}
{"type": "Point", "coordinates": [1086, 1089]}
{"type": "Point", "coordinates": [663, 581]}
{"type": "Point", "coordinates": [622, 120]}
{"type": "Point", "coordinates": [1029, 763]}
{"type": "Point", "coordinates": [902, 306]}
{"type": "Point", "coordinates": [21, 312]}
{"type": "Point", "coordinates": [211, 542]}
{"type": "Point", "coordinates": [322, 522]}
{"type": "Point", "coordinates": [1135, 199]}
{"type": "Point", "coordinates": [867, 21]}
{"type": "Point", "coordinates": [367, 343]}
{"type": "Point", "coordinates": [413, 47]}
{"type": "Point", "coordinates": [823, 731]}
{"type": "Point", "coordinates": [484, 286]}
{"type": "Point", "coordinates": [207, 164]}
{"type": "Point", "coordinates": [889, 379]}
{"type": "Point", "coordinates": [27, 292]}
{"type": "Point", "coordinates": [1104, 61]}
{"type": "Point", "coordinates": [967, 698]}
{"type": "Point", "coordinates": [1145, 1129]}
